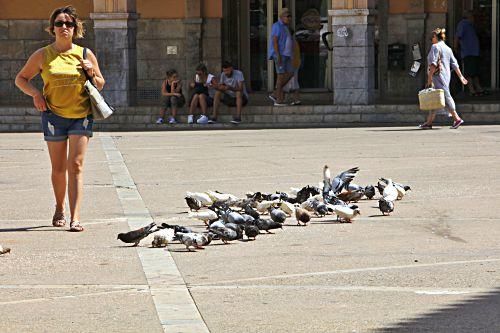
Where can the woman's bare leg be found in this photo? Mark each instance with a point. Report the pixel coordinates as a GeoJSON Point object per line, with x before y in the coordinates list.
{"type": "Point", "coordinates": [58, 158]}
{"type": "Point", "coordinates": [77, 149]}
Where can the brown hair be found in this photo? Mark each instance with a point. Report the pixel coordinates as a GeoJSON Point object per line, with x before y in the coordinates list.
{"type": "Point", "coordinates": [440, 33]}
{"type": "Point", "coordinates": [71, 11]}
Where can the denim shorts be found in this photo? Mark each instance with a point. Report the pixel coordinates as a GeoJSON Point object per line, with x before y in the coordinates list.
{"type": "Point", "coordinates": [57, 128]}
{"type": "Point", "coordinates": [286, 65]}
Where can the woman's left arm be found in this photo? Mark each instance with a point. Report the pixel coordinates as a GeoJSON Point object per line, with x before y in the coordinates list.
{"type": "Point", "coordinates": [92, 67]}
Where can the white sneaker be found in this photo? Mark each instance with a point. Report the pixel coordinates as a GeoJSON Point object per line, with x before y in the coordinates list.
{"type": "Point", "coordinates": [202, 120]}
{"type": "Point", "coordinates": [172, 121]}
{"type": "Point", "coordinates": [280, 104]}
{"type": "Point", "coordinates": [159, 121]}
{"type": "Point", "coordinates": [190, 119]}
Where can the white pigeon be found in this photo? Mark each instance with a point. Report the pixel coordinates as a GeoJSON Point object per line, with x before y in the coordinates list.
{"type": "Point", "coordinates": [205, 216]}
{"type": "Point", "coordinates": [401, 190]}
{"type": "Point", "coordinates": [287, 207]}
{"type": "Point", "coordinates": [162, 237]}
{"type": "Point", "coordinates": [390, 192]}
{"type": "Point", "coordinates": [264, 205]}
{"type": "Point", "coordinates": [217, 196]}
{"type": "Point", "coordinates": [346, 213]}
{"type": "Point", "coordinates": [202, 197]}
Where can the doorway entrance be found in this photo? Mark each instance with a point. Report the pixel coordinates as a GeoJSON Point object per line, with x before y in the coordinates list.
{"type": "Point", "coordinates": [246, 29]}
{"type": "Point", "coordinates": [486, 24]}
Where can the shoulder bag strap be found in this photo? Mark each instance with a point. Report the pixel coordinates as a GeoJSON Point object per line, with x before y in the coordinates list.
{"type": "Point", "coordinates": [84, 71]}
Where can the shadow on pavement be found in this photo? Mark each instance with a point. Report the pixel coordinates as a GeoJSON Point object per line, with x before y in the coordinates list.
{"type": "Point", "coordinates": [52, 228]}
{"type": "Point", "coordinates": [477, 314]}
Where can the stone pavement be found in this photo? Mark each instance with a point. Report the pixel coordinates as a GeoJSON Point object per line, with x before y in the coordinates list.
{"type": "Point", "coordinates": [431, 266]}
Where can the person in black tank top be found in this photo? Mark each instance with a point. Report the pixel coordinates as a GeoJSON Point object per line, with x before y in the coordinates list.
{"type": "Point", "coordinates": [171, 90]}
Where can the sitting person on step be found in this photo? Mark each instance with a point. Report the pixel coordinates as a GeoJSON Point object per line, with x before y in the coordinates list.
{"type": "Point", "coordinates": [231, 91]}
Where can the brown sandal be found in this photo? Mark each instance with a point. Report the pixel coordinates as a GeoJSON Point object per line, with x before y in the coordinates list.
{"type": "Point", "coordinates": [75, 226]}
{"type": "Point", "coordinates": [58, 220]}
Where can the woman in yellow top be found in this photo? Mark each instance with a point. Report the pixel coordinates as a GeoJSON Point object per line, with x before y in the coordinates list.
{"type": "Point", "coordinates": [64, 106]}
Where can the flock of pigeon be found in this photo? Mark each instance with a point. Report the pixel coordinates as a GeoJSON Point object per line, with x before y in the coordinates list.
{"type": "Point", "coordinates": [230, 218]}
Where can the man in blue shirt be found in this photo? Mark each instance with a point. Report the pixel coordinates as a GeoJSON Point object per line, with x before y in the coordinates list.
{"type": "Point", "coordinates": [281, 50]}
{"type": "Point", "coordinates": [466, 39]}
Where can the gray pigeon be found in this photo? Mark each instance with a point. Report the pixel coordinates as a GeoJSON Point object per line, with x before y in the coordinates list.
{"type": "Point", "coordinates": [135, 236]}
{"type": "Point", "coordinates": [343, 179]}
{"type": "Point", "coordinates": [195, 240]}
{"type": "Point", "coordinates": [252, 212]}
{"type": "Point", "coordinates": [236, 218]}
{"type": "Point", "coordinates": [370, 191]}
{"type": "Point", "coordinates": [277, 215]}
{"type": "Point", "coordinates": [385, 206]}
{"type": "Point", "coordinates": [321, 209]}
{"type": "Point", "coordinates": [267, 224]}
{"type": "Point", "coordinates": [225, 234]}
{"type": "Point", "coordinates": [251, 230]}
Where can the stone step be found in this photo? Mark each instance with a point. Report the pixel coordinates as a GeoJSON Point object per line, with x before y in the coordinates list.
{"type": "Point", "coordinates": [27, 119]}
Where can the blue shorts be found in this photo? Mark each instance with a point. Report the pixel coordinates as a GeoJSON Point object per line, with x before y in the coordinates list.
{"type": "Point", "coordinates": [57, 128]}
{"type": "Point", "coordinates": [286, 65]}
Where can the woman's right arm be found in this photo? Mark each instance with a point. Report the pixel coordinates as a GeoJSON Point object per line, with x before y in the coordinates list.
{"type": "Point", "coordinates": [31, 69]}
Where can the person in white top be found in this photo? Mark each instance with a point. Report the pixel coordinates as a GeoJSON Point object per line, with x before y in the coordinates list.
{"type": "Point", "coordinates": [202, 96]}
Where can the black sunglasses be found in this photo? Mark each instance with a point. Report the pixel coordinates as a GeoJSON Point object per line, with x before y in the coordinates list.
{"type": "Point", "coordinates": [69, 24]}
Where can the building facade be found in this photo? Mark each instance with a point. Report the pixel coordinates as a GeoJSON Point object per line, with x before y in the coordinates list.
{"type": "Point", "coordinates": [361, 51]}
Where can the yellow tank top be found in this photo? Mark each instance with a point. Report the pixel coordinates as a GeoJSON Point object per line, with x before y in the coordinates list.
{"type": "Point", "coordinates": [63, 80]}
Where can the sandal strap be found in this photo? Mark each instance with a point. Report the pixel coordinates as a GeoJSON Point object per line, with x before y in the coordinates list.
{"type": "Point", "coordinates": [76, 226]}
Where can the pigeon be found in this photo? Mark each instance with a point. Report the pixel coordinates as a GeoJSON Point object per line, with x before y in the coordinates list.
{"type": "Point", "coordinates": [195, 240]}
{"type": "Point", "coordinates": [135, 236]}
{"type": "Point", "coordinates": [238, 228]}
{"type": "Point", "coordinates": [402, 189]}
{"type": "Point", "coordinates": [309, 204]}
{"type": "Point", "coordinates": [327, 179]}
{"type": "Point", "coordinates": [247, 218]}
{"type": "Point", "coordinates": [222, 197]}
{"type": "Point", "coordinates": [386, 207]}
{"type": "Point", "coordinates": [305, 193]}
{"type": "Point", "coordinates": [390, 193]}
{"type": "Point", "coordinates": [302, 215]}
{"type": "Point", "coordinates": [346, 213]}
{"type": "Point", "coordinates": [252, 212]}
{"type": "Point", "coordinates": [264, 205]}
{"type": "Point", "coordinates": [236, 218]}
{"type": "Point", "coordinates": [193, 203]}
{"type": "Point", "coordinates": [370, 191]}
{"type": "Point", "coordinates": [4, 250]}
{"type": "Point", "coordinates": [287, 207]}
{"type": "Point", "coordinates": [343, 179]}
{"type": "Point", "coordinates": [349, 196]}
{"type": "Point", "coordinates": [177, 228]}
{"type": "Point", "coordinates": [321, 209]}
{"type": "Point", "coordinates": [202, 197]}
{"type": "Point", "coordinates": [217, 223]}
{"type": "Point", "coordinates": [277, 215]}
{"type": "Point", "coordinates": [351, 187]}
{"type": "Point", "coordinates": [225, 234]}
{"type": "Point", "coordinates": [267, 224]}
{"type": "Point", "coordinates": [251, 230]}
{"type": "Point", "coordinates": [205, 216]}
{"type": "Point", "coordinates": [162, 237]}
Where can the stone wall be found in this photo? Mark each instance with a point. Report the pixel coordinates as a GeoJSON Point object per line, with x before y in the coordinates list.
{"type": "Point", "coordinates": [162, 44]}
{"type": "Point", "coordinates": [18, 40]}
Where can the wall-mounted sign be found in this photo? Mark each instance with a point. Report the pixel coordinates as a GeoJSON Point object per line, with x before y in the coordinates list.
{"type": "Point", "coordinates": [171, 50]}
{"type": "Point", "coordinates": [342, 32]}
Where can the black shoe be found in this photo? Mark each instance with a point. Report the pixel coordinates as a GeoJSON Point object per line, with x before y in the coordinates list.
{"type": "Point", "coordinates": [212, 121]}
{"type": "Point", "coordinates": [236, 121]}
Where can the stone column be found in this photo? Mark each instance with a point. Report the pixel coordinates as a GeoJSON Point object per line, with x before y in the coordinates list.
{"type": "Point", "coordinates": [353, 52]}
{"type": "Point", "coordinates": [193, 35]}
{"type": "Point", "coordinates": [115, 28]}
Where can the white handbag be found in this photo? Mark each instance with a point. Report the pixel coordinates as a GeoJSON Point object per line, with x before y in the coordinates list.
{"type": "Point", "coordinates": [100, 108]}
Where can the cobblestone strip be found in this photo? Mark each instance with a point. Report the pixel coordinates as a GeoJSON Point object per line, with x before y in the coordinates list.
{"type": "Point", "coordinates": [175, 307]}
